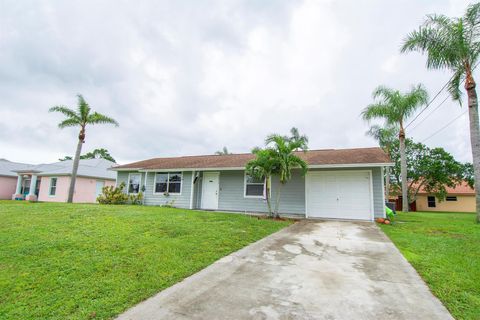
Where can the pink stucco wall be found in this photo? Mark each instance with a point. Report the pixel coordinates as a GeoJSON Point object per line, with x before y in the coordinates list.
{"type": "Point", "coordinates": [85, 189]}
{"type": "Point", "coordinates": [7, 187]}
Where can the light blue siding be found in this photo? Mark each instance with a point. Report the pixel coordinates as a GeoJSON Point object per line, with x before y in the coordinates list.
{"type": "Point", "coordinates": [157, 199]}
{"type": "Point", "coordinates": [231, 192]}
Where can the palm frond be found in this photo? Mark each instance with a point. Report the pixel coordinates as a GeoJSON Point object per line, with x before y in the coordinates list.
{"type": "Point", "coordinates": [453, 86]}
{"type": "Point", "coordinates": [97, 118]}
{"type": "Point", "coordinates": [83, 107]}
{"type": "Point", "coordinates": [70, 122]}
{"type": "Point", "coordinates": [65, 111]}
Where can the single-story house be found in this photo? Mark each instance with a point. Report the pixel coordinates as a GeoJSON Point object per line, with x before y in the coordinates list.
{"type": "Point", "coordinates": [51, 182]}
{"type": "Point", "coordinates": [8, 178]}
{"type": "Point", "coordinates": [459, 199]}
{"type": "Point", "coordinates": [342, 184]}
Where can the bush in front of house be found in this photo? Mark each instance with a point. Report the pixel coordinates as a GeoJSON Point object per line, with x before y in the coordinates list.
{"type": "Point", "coordinates": [113, 195]}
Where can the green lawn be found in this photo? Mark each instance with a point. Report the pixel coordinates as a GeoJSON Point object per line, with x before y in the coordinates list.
{"type": "Point", "coordinates": [61, 261]}
{"type": "Point", "coordinates": [445, 250]}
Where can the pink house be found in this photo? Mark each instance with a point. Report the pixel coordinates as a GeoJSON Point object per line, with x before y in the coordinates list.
{"type": "Point", "coordinates": [50, 182]}
{"type": "Point", "coordinates": [8, 178]}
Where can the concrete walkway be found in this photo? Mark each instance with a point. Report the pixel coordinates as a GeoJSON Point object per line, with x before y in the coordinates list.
{"type": "Point", "coordinates": [311, 270]}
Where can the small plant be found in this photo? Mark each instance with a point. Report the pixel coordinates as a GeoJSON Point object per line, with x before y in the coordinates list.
{"type": "Point", "coordinates": [169, 204]}
{"type": "Point", "coordinates": [135, 199]}
{"type": "Point", "coordinates": [113, 195]}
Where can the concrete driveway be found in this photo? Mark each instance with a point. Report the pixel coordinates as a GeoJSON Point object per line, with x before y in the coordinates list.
{"type": "Point", "coordinates": [311, 270]}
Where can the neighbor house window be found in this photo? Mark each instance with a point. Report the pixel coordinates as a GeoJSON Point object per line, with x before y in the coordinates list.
{"type": "Point", "coordinates": [254, 187]}
{"type": "Point", "coordinates": [168, 182]}
{"type": "Point", "coordinates": [431, 202]}
{"type": "Point", "coordinates": [134, 182]}
{"type": "Point", "coordinates": [53, 186]}
{"type": "Point", "coordinates": [451, 198]}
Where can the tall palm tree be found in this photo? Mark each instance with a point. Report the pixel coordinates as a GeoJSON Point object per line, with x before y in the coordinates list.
{"type": "Point", "coordinates": [395, 108]}
{"type": "Point", "coordinates": [386, 137]}
{"type": "Point", "coordinates": [454, 44]}
{"type": "Point", "coordinates": [283, 152]}
{"type": "Point", "coordinates": [81, 117]}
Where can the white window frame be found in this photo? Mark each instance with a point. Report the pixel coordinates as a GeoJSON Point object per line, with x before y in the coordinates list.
{"type": "Point", "coordinates": [168, 183]}
{"type": "Point", "coordinates": [245, 187]}
{"type": "Point", "coordinates": [50, 187]}
{"type": "Point", "coordinates": [139, 184]}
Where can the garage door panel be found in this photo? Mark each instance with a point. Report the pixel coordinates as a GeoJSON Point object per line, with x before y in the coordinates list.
{"type": "Point", "coordinates": [339, 194]}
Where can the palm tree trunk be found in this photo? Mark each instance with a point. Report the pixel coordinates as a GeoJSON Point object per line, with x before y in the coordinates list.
{"type": "Point", "coordinates": [474, 136]}
{"type": "Point", "coordinates": [277, 200]}
{"type": "Point", "coordinates": [267, 196]}
{"type": "Point", "coordinates": [73, 178]}
{"type": "Point", "coordinates": [403, 169]}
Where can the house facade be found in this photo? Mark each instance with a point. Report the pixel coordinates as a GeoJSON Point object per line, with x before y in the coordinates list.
{"type": "Point", "coordinates": [343, 184]}
{"type": "Point", "coordinates": [51, 182]}
{"type": "Point", "coordinates": [459, 199]}
{"type": "Point", "coordinates": [8, 178]}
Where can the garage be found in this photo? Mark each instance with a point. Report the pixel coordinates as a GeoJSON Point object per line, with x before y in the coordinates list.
{"type": "Point", "coordinates": [339, 195]}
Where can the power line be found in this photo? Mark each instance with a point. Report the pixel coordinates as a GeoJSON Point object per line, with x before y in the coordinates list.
{"type": "Point", "coordinates": [438, 93]}
{"type": "Point", "coordinates": [429, 103]}
{"type": "Point", "coordinates": [445, 126]}
{"type": "Point", "coordinates": [428, 115]}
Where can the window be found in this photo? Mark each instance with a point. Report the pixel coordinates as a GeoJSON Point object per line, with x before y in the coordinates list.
{"type": "Point", "coordinates": [451, 198]}
{"type": "Point", "coordinates": [431, 202]}
{"type": "Point", "coordinates": [134, 182]}
{"type": "Point", "coordinates": [254, 187]}
{"type": "Point", "coordinates": [53, 186]}
{"type": "Point", "coordinates": [168, 182]}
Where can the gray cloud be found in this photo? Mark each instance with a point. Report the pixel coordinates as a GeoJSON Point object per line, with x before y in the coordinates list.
{"type": "Point", "coordinates": [188, 77]}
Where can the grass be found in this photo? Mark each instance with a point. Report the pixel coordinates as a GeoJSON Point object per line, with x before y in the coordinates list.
{"type": "Point", "coordinates": [72, 261]}
{"type": "Point", "coordinates": [445, 250]}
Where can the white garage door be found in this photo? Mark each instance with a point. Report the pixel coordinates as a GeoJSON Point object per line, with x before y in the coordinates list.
{"type": "Point", "coordinates": [339, 194]}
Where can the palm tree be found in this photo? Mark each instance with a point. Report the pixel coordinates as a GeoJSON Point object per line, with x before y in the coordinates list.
{"type": "Point", "coordinates": [454, 44]}
{"type": "Point", "coordinates": [222, 152]}
{"type": "Point", "coordinates": [263, 167]}
{"type": "Point", "coordinates": [386, 138]}
{"type": "Point", "coordinates": [79, 118]}
{"type": "Point", "coordinates": [395, 108]}
{"type": "Point", "coordinates": [283, 152]}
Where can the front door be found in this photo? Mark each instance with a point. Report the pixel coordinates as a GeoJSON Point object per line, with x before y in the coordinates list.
{"type": "Point", "coordinates": [99, 188]}
{"type": "Point", "coordinates": [210, 188]}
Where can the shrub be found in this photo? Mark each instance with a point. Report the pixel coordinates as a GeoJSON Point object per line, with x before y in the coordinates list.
{"type": "Point", "coordinates": [135, 198]}
{"type": "Point", "coordinates": [113, 195]}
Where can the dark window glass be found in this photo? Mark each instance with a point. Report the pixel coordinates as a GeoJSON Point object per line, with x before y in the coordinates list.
{"type": "Point", "coordinates": [134, 183]}
{"type": "Point", "coordinates": [53, 186]}
{"type": "Point", "coordinates": [451, 198]}
{"type": "Point", "coordinates": [431, 202]}
{"type": "Point", "coordinates": [161, 182]}
{"type": "Point", "coordinates": [254, 190]}
{"type": "Point", "coordinates": [168, 182]}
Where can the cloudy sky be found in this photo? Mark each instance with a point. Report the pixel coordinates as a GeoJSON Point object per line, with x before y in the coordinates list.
{"type": "Point", "coordinates": [189, 77]}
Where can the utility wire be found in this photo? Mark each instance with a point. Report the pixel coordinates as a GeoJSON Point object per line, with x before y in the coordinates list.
{"type": "Point", "coordinates": [445, 126]}
{"type": "Point", "coordinates": [428, 115]}
{"type": "Point", "coordinates": [429, 103]}
{"type": "Point", "coordinates": [438, 93]}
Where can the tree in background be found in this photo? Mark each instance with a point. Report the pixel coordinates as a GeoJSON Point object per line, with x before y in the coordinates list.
{"type": "Point", "coordinates": [395, 108]}
{"type": "Point", "coordinates": [81, 117]}
{"type": "Point", "coordinates": [279, 158]}
{"type": "Point", "coordinates": [386, 137]}
{"type": "Point", "coordinates": [95, 154]}
{"type": "Point", "coordinates": [430, 169]}
{"type": "Point", "coordinates": [222, 152]}
{"type": "Point", "coordinates": [454, 44]}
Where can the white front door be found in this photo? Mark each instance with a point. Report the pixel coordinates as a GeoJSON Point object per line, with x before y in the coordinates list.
{"type": "Point", "coordinates": [210, 189]}
{"type": "Point", "coordinates": [339, 194]}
